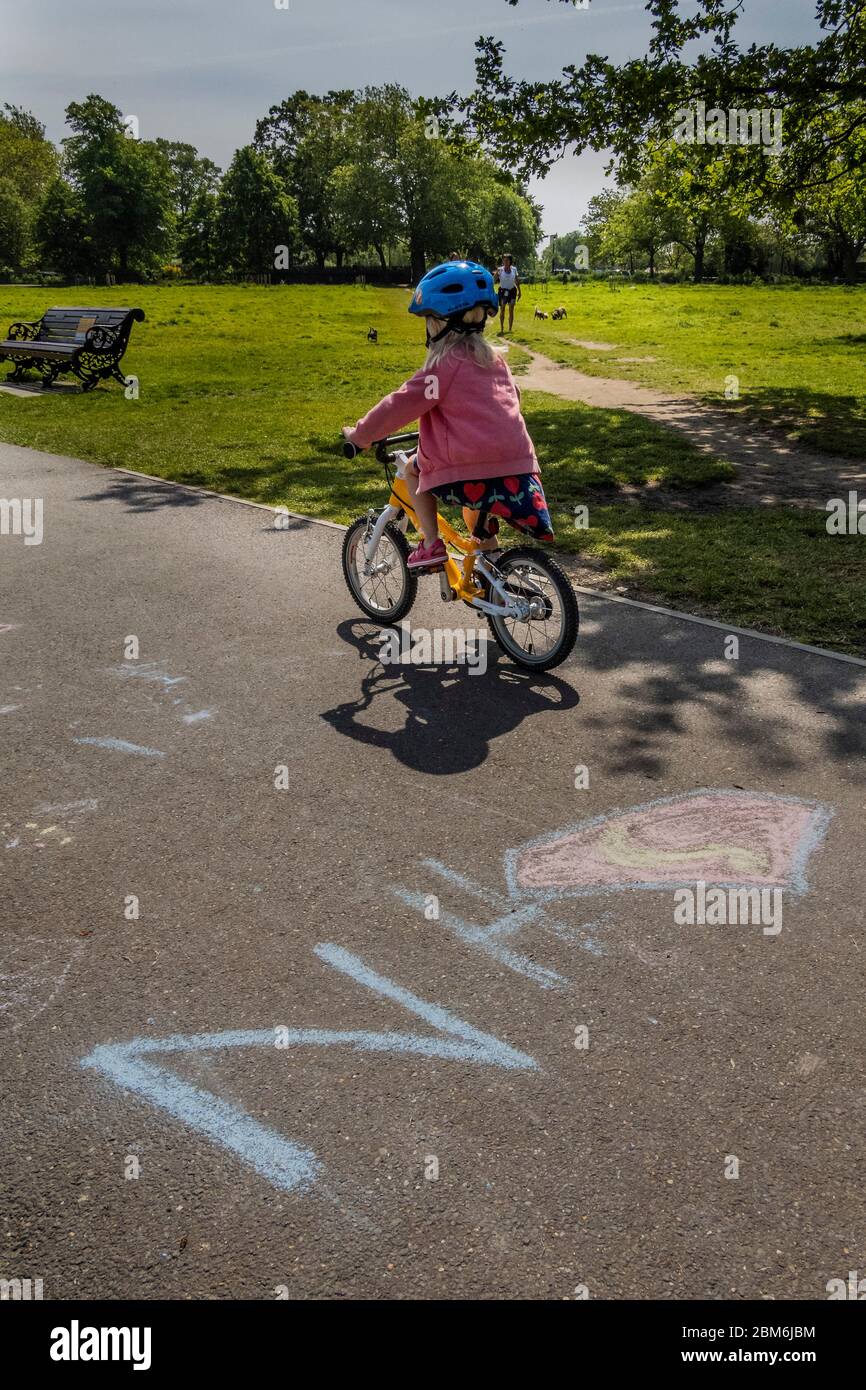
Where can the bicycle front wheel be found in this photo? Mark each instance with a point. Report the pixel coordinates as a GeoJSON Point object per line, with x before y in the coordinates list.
{"type": "Point", "coordinates": [548, 632]}
{"type": "Point", "coordinates": [385, 588]}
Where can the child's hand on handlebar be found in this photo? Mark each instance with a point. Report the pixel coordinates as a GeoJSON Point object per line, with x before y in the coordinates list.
{"type": "Point", "coordinates": [349, 448]}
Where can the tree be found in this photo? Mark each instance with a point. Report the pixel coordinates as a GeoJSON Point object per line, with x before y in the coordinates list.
{"type": "Point", "coordinates": [600, 211]}
{"type": "Point", "coordinates": [601, 105]}
{"type": "Point", "coordinates": [439, 188]}
{"type": "Point", "coordinates": [364, 211]}
{"type": "Point", "coordinates": [198, 243]}
{"type": "Point", "coordinates": [191, 173]}
{"type": "Point", "coordinates": [835, 212]}
{"type": "Point", "coordinates": [377, 167]}
{"type": "Point", "coordinates": [508, 221]}
{"type": "Point", "coordinates": [365, 187]}
{"type": "Point", "coordinates": [14, 225]}
{"type": "Point", "coordinates": [256, 213]}
{"type": "Point", "coordinates": [691, 193]}
{"type": "Point", "coordinates": [27, 159]}
{"type": "Point", "coordinates": [307, 139]}
{"type": "Point", "coordinates": [62, 231]}
{"type": "Point", "coordinates": [28, 163]}
{"type": "Point", "coordinates": [816, 92]}
{"type": "Point", "coordinates": [125, 186]}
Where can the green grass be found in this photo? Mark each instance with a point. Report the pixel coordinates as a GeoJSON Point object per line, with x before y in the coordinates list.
{"type": "Point", "coordinates": [244, 390]}
{"type": "Point", "coordinates": [799, 352]}
{"type": "Point", "coordinates": [777, 570]}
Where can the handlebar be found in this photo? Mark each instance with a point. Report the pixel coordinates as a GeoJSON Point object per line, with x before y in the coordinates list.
{"type": "Point", "coordinates": [381, 446]}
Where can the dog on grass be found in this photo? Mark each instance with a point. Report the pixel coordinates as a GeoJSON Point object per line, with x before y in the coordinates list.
{"type": "Point", "coordinates": [372, 336]}
{"type": "Point", "coordinates": [540, 314]}
{"type": "Point", "coordinates": [560, 313]}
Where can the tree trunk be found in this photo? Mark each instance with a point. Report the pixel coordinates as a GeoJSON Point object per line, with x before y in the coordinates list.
{"type": "Point", "coordinates": [652, 260]}
{"type": "Point", "coordinates": [700, 247]}
{"type": "Point", "coordinates": [320, 258]}
{"type": "Point", "coordinates": [339, 252]}
{"type": "Point", "coordinates": [416, 257]}
{"type": "Point", "coordinates": [380, 252]}
{"type": "Point", "coordinates": [850, 254]}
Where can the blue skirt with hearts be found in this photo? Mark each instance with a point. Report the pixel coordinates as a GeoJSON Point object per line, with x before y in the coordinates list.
{"type": "Point", "coordinates": [518, 499]}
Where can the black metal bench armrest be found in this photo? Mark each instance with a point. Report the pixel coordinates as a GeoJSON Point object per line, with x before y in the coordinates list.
{"type": "Point", "coordinates": [100, 339]}
{"type": "Point", "coordinates": [24, 332]}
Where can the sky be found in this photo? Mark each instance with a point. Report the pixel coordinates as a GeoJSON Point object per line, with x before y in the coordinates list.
{"type": "Point", "coordinates": [205, 70]}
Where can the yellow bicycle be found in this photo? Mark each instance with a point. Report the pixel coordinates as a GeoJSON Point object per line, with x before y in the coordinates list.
{"type": "Point", "coordinates": [524, 594]}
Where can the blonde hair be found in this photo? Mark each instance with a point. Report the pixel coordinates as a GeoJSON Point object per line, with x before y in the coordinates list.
{"type": "Point", "coordinates": [473, 345]}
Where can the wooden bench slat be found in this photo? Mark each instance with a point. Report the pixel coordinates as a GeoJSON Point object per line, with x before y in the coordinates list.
{"type": "Point", "coordinates": [37, 346]}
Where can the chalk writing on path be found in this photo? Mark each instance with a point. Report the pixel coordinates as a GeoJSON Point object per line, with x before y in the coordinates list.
{"type": "Point", "coordinates": [32, 973]}
{"type": "Point", "coordinates": [285, 1164]}
{"type": "Point", "coordinates": [152, 673]}
{"type": "Point", "coordinates": [36, 834]}
{"type": "Point", "coordinates": [121, 745]}
{"type": "Point", "coordinates": [730, 838]}
{"type": "Point", "coordinates": [726, 837]}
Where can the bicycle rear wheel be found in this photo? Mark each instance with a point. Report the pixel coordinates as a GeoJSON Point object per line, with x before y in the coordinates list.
{"type": "Point", "coordinates": [546, 636]}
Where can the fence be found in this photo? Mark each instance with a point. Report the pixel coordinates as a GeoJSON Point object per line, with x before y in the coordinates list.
{"type": "Point", "coordinates": [328, 275]}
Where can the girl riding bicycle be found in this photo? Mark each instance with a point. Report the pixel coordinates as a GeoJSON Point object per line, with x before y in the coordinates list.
{"type": "Point", "coordinates": [474, 449]}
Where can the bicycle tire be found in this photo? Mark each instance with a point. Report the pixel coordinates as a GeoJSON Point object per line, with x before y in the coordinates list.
{"type": "Point", "coordinates": [410, 581]}
{"type": "Point", "coordinates": [570, 611]}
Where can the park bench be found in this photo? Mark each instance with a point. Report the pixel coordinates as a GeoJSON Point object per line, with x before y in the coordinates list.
{"type": "Point", "coordinates": [89, 343]}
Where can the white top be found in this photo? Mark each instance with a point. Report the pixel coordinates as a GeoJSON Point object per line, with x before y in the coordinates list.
{"type": "Point", "coordinates": [507, 278]}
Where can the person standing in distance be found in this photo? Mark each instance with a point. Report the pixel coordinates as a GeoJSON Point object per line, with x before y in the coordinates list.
{"type": "Point", "coordinates": [508, 283]}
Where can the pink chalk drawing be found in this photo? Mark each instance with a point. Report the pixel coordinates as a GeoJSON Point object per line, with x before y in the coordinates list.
{"type": "Point", "coordinates": [729, 838]}
{"type": "Point", "coordinates": [732, 838]}
{"type": "Point", "coordinates": [8, 627]}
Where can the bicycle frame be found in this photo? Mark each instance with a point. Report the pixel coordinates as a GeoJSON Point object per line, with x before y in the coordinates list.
{"type": "Point", "coordinates": [460, 578]}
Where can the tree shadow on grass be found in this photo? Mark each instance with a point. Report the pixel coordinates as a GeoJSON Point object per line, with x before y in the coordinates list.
{"type": "Point", "coordinates": [581, 447]}
{"type": "Point", "coordinates": [320, 483]}
{"type": "Point", "coordinates": [452, 716]}
{"type": "Point", "coordinates": [819, 420]}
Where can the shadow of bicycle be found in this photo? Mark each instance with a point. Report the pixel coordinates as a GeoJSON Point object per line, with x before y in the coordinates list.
{"type": "Point", "coordinates": [452, 714]}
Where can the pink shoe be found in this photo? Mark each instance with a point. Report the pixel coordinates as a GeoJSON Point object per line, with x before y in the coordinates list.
{"type": "Point", "coordinates": [424, 556]}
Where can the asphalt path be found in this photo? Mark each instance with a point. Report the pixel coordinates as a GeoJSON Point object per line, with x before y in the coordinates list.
{"type": "Point", "coordinates": [328, 979]}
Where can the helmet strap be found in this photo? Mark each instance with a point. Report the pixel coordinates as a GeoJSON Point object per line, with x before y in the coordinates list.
{"type": "Point", "coordinates": [454, 325]}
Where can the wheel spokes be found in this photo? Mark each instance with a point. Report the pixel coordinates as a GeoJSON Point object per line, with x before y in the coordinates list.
{"type": "Point", "coordinates": [534, 635]}
{"type": "Point", "coordinates": [375, 588]}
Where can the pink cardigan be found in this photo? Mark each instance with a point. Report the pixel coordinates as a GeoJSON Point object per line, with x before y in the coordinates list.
{"type": "Point", "coordinates": [470, 422]}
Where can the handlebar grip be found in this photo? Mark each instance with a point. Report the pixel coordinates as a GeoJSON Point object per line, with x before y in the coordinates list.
{"type": "Point", "coordinates": [350, 449]}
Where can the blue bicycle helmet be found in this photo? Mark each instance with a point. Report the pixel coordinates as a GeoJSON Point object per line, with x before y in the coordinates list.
{"type": "Point", "coordinates": [448, 290]}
